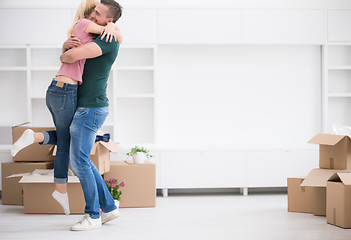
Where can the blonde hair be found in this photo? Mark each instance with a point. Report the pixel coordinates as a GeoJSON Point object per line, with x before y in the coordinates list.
{"type": "Point", "coordinates": [84, 10]}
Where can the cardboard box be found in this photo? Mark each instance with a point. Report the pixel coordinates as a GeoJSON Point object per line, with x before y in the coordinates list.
{"type": "Point", "coordinates": [100, 154]}
{"type": "Point", "coordinates": [299, 198]}
{"type": "Point", "coordinates": [11, 189]}
{"type": "Point", "coordinates": [37, 192]}
{"type": "Point", "coordinates": [34, 152]}
{"type": "Point", "coordinates": [140, 183]}
{"type": "Point", "coordinates": [334, 151]}
{"type": "Point", "coordinates": [316, 181]}
{"type": "Point", "coordinates": [339, 200]}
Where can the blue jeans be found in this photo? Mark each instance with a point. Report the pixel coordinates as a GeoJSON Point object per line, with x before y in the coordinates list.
{"type": "Point", "coordinates": [85, 124]}
{"type": "Point", "coordinates": [62, 104]}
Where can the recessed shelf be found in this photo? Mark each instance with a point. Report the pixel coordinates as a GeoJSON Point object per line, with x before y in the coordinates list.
{"type": "Point", "coordinates": [13, 68]}
{"type": "Point", "coordinates": [135, 96]}
{"type": "Point", "coordinates": [339, 67]}
{"type": "Point", "coordinates": [339, 95]}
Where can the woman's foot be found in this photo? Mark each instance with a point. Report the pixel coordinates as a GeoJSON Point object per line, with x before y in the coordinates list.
{"type": "Point", "coordinates": [25, 140]}
{"type": "Point", "coordinates": [62, 199]}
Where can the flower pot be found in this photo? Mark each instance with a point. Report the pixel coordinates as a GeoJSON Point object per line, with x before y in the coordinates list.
{"type": "Point", "coordinates": [117, 204]}
{"type": "Point", "coordinates": [139, 158]}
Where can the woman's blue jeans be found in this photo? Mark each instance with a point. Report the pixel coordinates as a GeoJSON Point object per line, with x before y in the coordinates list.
{"type": "Point", "coordinates": [61, 101]}
{"type": "Point", "coordinates": [85, 124]}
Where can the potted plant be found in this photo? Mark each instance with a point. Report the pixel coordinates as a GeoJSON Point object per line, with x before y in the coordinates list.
{"type": "Point", "coordinates": [139, 154]}
{"type": "Point", "coordinates": [114, 188]}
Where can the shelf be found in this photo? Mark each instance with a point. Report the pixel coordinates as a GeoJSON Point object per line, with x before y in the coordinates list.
{"type": "Point", "coordinates": [45, 68]}
{"type": "Point", "coordinates": [13, 68]}
{"type": "Point", "coordinates": [5, 148]}
{"type": "Point", "coordinates": [339, 68]}
{"type": "Point", "coordinates": [134, 68]}
{"type": "Point", "coordinates": [339, 95]}
{"type": "Point", "coordinates": [146, 95]}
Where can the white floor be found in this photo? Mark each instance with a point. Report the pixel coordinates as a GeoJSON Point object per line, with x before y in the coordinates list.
{"type": "Point", "coordinates": [178, 217]}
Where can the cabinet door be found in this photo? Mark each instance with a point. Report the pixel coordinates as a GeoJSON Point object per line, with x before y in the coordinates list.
{"type": "Point", "coordinates": [138, 26]}
{"type": "Point", "coordinates": [202, 169]}
{"type": "Point", "coordinates": [283, 26]}
{"type": "Point", "coordinates": [35, 26]}
{"type": "Point", "coordinates": [339, 25]}
{"type": "Point", "coordinates": [272, 168]}
{"type": "Point", "coordinates": [199, 26]}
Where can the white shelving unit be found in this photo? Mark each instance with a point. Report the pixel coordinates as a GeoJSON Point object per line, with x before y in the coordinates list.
{"type": "Point", "coordinates": [130, 89]}
{"type": "Point", "coordinates": [337, 86]}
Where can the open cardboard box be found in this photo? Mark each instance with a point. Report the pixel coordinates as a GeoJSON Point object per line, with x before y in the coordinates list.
{"type": "Point", "coordinates": [316, 181]}
{"type": "Point", "coordinates": [339, 200]}
{"type": "Point", "coordinates": [334, 151]}
{"type": "Point", "coordinates": [37, 190]}
{"type": "Point", "coordinates": [140, 182]}
{"type": "Point", "coordinates": [11, 189]}
{"type": "Point", "coordinates": [100, 154]}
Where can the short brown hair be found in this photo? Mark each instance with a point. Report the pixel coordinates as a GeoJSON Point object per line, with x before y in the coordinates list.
{"type": "Point", "coordinates": [115, 10]}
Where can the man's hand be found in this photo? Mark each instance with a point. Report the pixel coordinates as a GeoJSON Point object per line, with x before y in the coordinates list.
{"type": "Point", "coordinates": [71, 42]}
{"type": "Point", "coordinates": [89, 50]}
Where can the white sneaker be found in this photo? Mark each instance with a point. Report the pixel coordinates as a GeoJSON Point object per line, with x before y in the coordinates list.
{"type": "Point", "coordinates": [106, 217]}
{"type": "Point", "coordinates": [87, 223]}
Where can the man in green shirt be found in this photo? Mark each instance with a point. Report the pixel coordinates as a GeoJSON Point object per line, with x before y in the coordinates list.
{"type": "Point", "coordinates": [90, 116]}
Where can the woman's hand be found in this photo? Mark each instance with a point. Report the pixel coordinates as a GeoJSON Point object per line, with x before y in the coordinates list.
{"type": "Point", "coordinates": [111, 31]}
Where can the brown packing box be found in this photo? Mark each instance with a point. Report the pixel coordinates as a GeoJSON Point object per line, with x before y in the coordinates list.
{"type": "Point", "coordinates": [11, 189]}
{"type": "Point", "coordinates": [37, 192]}
{"type": "Point", "coordinates": [140, 183]}
{"type": "Point", "coordinates": [339, 200]}
{"type": "Point", "coordinates": [299, 198]}
{"type": "Point", "coordinates": [100, 154]}
{"type": "Point", "coordinates": [334, 151]}
{"type": "Point", "coordinates": [34, 152]}
{"type": "Point", "coordinates": [316, 181]}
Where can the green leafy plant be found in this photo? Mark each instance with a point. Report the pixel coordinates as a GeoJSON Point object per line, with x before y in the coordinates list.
{"type": "Point", "coordinates": [113, 186]}
{"type": "Point", "coordinates": [137, 149]}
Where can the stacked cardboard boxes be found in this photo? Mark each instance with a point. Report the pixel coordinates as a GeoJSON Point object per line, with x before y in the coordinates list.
{"type": "Point", "coordinates": [23, 183]}
{"type": "Point", "coordinates": [320, 192]}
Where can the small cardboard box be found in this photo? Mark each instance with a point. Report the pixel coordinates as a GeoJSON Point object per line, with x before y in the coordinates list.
{"type": "Point", "coordinates": [34, 152]}
{"type": "Point", "coordinates": [334, 151]}
{"type": "Point", "coordinates": [316, 181]}
{"type": "Point", "coordinates": [299, 198]}
{"type": "Point", "coordinates": [339, 200]}
{"type": "Point", "coordinates": [100, 154]}
{"type": "Point", "coordinates": [11, 189]}
{"type": "Point", "coordinates": [140, 183]}
{"type": "Point", "coordinates": [37, 190]}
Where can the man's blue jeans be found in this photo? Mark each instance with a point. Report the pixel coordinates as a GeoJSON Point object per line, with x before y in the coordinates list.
{"type": "Point", "coordinates": [86, 122]}
{"type": "Point", "coordinates": [62, 104]}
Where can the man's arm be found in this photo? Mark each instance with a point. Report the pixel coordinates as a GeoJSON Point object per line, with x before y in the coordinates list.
{"type": "Point", "coordinates": [71, 42]}
{"type": "Point", "coordinates": [89, 50]}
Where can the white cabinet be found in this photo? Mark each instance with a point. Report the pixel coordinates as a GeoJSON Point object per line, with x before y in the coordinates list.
{"type": "Point", "coordinates": [339, 25]}
{"type": "Point", "coordinates": [283, 26]}
{"type": "Point", "coordinates": [192, 169]}
{"type": "Point", "coordinates": [35, 26]}
{"type": "Point", "coordinates": [138, 26]}
{"type": "Point", "coordinates": [272, 168]}
{"type": "Point", "coordinates": [199, 26]}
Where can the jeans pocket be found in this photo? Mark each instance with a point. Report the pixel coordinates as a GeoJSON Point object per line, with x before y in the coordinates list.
{"type": "Point", "coordinates": [99, 119]}
{"type": "Point", "coordinates": [55, 100]}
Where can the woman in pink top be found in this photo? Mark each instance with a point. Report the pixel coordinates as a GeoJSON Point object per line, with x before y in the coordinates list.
{"type": "Point", "coordinates": [61, 98]}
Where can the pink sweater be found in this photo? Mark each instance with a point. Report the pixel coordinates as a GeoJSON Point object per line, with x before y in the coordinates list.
{"type": "Point", "coordinates": [75, 70]}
